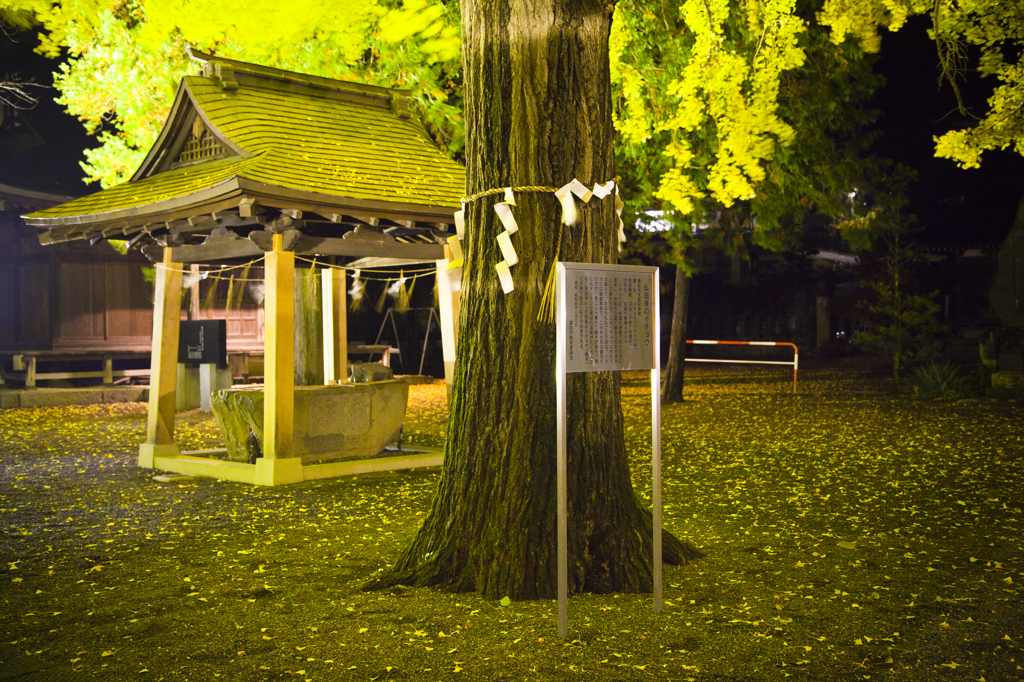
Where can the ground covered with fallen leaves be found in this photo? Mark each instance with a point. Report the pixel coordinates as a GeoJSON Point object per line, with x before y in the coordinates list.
{"type": "Point", "coordinates": [850, 534]}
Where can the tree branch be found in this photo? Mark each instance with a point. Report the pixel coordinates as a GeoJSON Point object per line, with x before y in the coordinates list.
{"type": "Point", "coordinates": [15, 93]}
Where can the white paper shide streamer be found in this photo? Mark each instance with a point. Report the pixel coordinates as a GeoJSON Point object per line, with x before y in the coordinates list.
{"type": "Point", "coordinates": [507, 250]}
{"type": "Point", "coordinates": [396, 286]}
{"type": "Point", "coordinates": [566, 195]}
{"type": "Point", "coordinates": [508, 221]}
{"type": "Point", "coordinates": [456, 248]}
{"type": "Point", "coordinates": [618, 213]}
{"type": "Point", "coordinates": [505, 276]}
{"type": "Point", "coordinates": [566, 192]}
{"type": "Point", "coordinates": [460, 223]}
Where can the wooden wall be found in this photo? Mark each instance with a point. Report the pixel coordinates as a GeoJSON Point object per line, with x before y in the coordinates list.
{"type": "Point", "coordinates": [70, 296]}
{"type": "Point", "coordinates": [79, 297]}
{"type": "Point", "coordinates": [102, 304]}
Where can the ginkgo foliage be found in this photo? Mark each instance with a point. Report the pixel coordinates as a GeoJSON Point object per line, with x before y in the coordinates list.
{"type": "Point", "coordinates": [707, 78]}
{"type": "Point", "coordinates": [125, 58]}
{"type": "Point", "coordinates": [714, 87]}
{"type": "Point", "coordinates": [991, 30]}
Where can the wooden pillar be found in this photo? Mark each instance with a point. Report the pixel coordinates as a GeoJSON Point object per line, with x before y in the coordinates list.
{"type": "Point", "coordinates": [30, 372]}
{"type": "Point", "coordinates": [108, 370]}
{"type": "Point", "coordinates": [193, 301]}
{"type": "Point", "coordinates": [278, 466]}
{"type": "Point", "coordinates": [335, 325]}
{"type": "Point", "coordinates": [163, 364]}
{"type": "Point", "coordinates": [449, 281]}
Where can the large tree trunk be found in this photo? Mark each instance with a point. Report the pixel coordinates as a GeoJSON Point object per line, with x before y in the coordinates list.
{"type": "Point", "coordinates": [538, 112]}
{"type": "Point", "coordinates": [675, 370]}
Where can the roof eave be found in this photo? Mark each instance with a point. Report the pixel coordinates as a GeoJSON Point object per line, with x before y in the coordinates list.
{"type": "Point", "coordinates": [151, 211]}
{"type": "Point", "coordinates": [277, 196]}
{"type": "Point", "coordinates": [226, 194]}
{"type": "Point", "coordinates": [167, 132]}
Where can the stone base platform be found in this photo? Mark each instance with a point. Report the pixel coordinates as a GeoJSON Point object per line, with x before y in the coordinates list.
{"type": "Point", "coordinates": [205, 463]}
{"type": "Point", "coordinates": [53, 397]}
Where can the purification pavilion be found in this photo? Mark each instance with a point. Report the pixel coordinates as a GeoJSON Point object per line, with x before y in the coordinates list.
{"type": "Point", "coordinates": [255, 162]}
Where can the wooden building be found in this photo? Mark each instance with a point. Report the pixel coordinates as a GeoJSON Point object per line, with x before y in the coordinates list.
{"type": "Point", "coordinates": [78, 310]}
{"type": "Point", "coordinates": [73, 297]}
{"type": "Point", "coordinates": [263, 166]}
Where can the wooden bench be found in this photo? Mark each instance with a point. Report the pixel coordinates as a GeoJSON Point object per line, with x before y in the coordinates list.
{"type": "Point", "coordinates": [27, 365]}
{"type": "Point", "coordinates": [372, 349]}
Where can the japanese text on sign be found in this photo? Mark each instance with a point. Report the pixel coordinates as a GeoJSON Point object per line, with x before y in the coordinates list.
{"type": "Point", "coordinates": [609, 320]}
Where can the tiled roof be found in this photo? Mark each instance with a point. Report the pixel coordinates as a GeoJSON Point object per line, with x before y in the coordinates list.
{"type": "Point", "coordinates": [336, 143]}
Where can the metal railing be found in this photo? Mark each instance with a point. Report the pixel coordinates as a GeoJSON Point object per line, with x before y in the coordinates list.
{"type": "Point", "coordinates": [796, 354]}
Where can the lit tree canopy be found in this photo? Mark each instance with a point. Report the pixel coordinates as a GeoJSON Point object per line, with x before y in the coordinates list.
{"type": "Point", "coordinates": [802, 149]}
{"type": "Point", "coordinates": [763, 126]}
{"type": "Point", "coordinates": [707, 73]}
{"type": "Point", "coordinates": [125, 58]}
{"type": "Point", "coordinates": [992, 29]}
{"type": "Point", "coordinates": [701, 78]}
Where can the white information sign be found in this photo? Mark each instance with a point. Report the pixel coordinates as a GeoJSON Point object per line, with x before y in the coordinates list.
{"type": "Point", "coordinates": [606, 319]}
{"type": "Point", "coordinates": [609, 318]}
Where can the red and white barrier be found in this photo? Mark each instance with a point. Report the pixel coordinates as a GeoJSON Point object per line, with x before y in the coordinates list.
{"type": "Point", "coordinates": [796, 353]}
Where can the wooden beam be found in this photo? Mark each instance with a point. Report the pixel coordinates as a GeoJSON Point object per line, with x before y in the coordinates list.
{"type": "Point", "coordinates": [234, 220]}
{"type": "Point", "coordinates": [372, 221]}
{"type": "Point", "coordinates": [279, 351]}
{"type": "Point", "coordinates": [213, 252]}
{"type": "Point", "coordinates": [264, 239]}
{"type": "Point", "coordinates": [30, 372]}
{"type": "Point", "coordinates": [361, 248]}
{"type": "Point", "coordinates": [108, 370]}
{"type": "Point", "coordinates": [369, 263]}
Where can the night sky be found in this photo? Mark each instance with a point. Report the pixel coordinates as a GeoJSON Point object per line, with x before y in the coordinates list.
{"type": "Point", "coordinates": [54, 166]}
{"type": "Point", "coordinates": [966, 207]}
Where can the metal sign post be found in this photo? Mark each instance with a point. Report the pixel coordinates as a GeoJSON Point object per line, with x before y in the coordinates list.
{"type": "Point", "coordinates": [606, 319]}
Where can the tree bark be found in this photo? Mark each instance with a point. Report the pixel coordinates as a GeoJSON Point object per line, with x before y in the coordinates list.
{"type": "Point", "coordinates": [675, 370]}
{"type": "Point", "coordinates": [538, 112]}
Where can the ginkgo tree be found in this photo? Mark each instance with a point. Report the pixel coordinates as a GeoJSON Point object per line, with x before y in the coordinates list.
{"type": "Point", "coordinates": [803, 151]}
{"type": "Point", "coordinates": [539, 112]}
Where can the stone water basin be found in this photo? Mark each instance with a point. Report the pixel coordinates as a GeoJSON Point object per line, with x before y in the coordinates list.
{"type": "Point", "coordinates": [344, 421]}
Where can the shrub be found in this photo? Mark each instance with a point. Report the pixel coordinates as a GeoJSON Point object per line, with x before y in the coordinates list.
{"type": "Point", "coordinates": [939, 381]}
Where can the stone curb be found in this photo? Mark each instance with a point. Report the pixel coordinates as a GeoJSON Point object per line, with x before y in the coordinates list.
{"type": "Point", "coordinates": [53, 397]}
